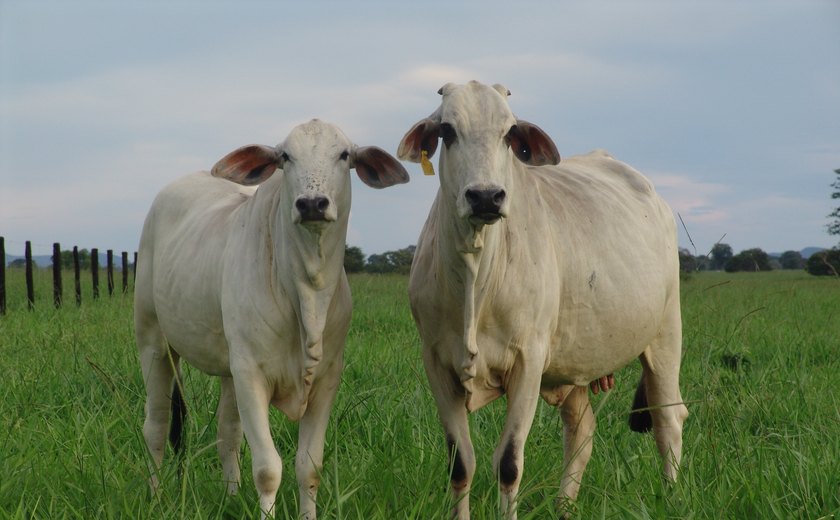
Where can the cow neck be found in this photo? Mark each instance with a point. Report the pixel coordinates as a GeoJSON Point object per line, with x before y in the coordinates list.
{"type": "Point", "coordinates": [307, 266]}
{"type": "Point", "coordinates": [475, 253]}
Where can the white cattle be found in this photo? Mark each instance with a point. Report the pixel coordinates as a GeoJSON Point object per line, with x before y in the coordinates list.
{"type": "Point", "coordinates": [248, 284]}
{"type": "Point", "coordinates": [535, 278]}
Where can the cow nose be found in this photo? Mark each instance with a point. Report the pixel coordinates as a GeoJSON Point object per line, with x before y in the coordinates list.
{"type": "Point", "coordinates": [312, 208]}
{"type": "Point", "coordinates": [486, 204]}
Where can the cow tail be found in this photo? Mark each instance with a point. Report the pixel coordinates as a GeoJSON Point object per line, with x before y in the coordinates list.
{"type": "Point", "coordinates": [179, 416]}
{"type": "Point", "coordinates": [640, 419]}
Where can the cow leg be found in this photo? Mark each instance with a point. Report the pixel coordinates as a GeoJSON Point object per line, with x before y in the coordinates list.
{"type": "Point", "coordinates": [452, 409]}
{"type": "Point", "coordinates": [578, 430]}
{"type": "Point", "coordinates": [523, 391]}
{"type": "Point", "coordinates": [159, 369]}
{"type": "Point", "coordinates": [661, 380]}
{"type": "Point", "coordinates": [311, 433]}
{"type": "Point", "coordinates": [229, 436]}
{"type": "Point", "coordinates": [253, 397]}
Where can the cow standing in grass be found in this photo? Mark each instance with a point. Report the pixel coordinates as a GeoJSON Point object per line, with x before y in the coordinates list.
{"type": "Point", "coordinates": [534, 277]}
{"type": "Point", "coordinates": [248, 284]}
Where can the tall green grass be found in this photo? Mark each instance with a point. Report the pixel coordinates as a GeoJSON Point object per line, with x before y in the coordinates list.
{"type": "Point", "coordinates": [760, 358]}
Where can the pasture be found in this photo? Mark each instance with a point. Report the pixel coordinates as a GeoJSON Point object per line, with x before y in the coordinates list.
{"type": "Point", "coordinates": [760, 358]}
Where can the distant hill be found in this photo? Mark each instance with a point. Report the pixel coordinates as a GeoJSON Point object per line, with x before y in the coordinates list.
{"type": "Point", "coordinates": [806, 253]}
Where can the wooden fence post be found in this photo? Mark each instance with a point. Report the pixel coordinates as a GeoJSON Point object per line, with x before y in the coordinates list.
{"type": "Point", "coordinates": [58, 290]}
{"type": "Point", "coordinates": [110, 256]}
{"type": "Point", "coordinates": [77, 275]}
{"type": "Point", "coordinates": [94, 269]}
{"type": "Point", "coordinates": [134, 271]}
{"type": "Point", "coordinates": [30, 287]}
{"type": "Point", "coordinates": [124, 272]}
{"type": "Point", "coordinates": [2, 276]}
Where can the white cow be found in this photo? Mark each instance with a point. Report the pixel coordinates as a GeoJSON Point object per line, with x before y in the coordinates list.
{"type": "Point", "coordinates": [248, 284]}
{"type": "Point", "coordinates": [535, 278]}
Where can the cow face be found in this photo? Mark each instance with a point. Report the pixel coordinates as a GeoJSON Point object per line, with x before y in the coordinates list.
{"type": "Point", "coordinates": [480, 138]}
{"type": "Point", "coordinates": [316, 158]}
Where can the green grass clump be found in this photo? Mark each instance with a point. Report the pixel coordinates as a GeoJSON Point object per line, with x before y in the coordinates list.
{"type": "Point", "coordinates": [759, 362]}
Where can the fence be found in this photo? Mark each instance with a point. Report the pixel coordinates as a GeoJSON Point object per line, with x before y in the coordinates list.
{"type": "Point", "coordinates": [57, 283]}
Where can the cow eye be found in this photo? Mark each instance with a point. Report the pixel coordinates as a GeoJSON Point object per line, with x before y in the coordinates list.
{"type": "Point", "coordinates": [344, 155]}
{"type": "Point", "coordinates": [284, 156]}
{"type": "Point", "coordinates": [447, 132]}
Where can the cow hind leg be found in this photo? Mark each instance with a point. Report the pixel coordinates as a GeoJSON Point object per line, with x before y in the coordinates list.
{"type": "Point", "coordinates": [660, 387]}
{"type": "Point", "coordinates": [578, 430]}
{"type": "Point", "coordinates": [229, 435]}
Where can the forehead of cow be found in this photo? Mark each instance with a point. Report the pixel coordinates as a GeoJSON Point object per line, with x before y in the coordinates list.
{"type": "Point", "coordinates": [315, 136]}
{"type": "Point", "coordinates": [475, 106]}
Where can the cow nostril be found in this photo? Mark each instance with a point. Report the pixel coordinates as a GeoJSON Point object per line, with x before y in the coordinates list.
{"type": "Point", "coordinates": [472, 196]}
{"type": "Point", "coordinates": [300, 204]}
{"type": "Point", "coordinates": [321, 203]}
{"type": "Point", "coordinates": [499, 197]}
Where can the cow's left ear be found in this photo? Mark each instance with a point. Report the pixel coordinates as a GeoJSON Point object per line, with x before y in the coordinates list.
{"type": "Point", "coordinates": [247, 165]}
{"type": "Point", "coordinates": [531, 145]}
{"type": "Point", "coordinates": [376, 167]}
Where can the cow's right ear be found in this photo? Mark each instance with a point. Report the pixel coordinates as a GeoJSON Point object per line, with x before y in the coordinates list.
{"type": "Point", "coordinates": [423, 137]}
{"type": "Point", "coordinates": [248, 165]}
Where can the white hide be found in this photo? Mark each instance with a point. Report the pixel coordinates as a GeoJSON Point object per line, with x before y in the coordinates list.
{"type": "Point", "coordinates": [238, 285]}
{"type": "Point", "coordinates": [578, 278]}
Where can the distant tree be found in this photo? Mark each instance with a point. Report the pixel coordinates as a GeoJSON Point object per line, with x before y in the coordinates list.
{"type": "Point", "coordinates": [748, 260]}
{"type": "Point", "coordinates": [824, 263]}
{"type": "Point", "coordinates": [721, 253]}
{"type": "Point", "coordinates": [792, 260]}
{"type": "Point", "coordinates": [67, 259]}
{"type": "Point", "coordinates": [354, 259]}
{"type": "Point", "coordinates": [688, 263]}
{"type": "Point", "coordinates": [834, 225]}
{"type": "Point", "coordinates": [391, 261]}
{"type": "Point", "coordinates": [20, 263]}
{"type": "Point", "coordinates": [377, 264]}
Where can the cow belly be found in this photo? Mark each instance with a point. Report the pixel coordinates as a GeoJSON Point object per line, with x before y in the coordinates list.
{"type": "Point", "coordinates": [199, 344]}
{"type": "Point", "coordinates": [584, 353]}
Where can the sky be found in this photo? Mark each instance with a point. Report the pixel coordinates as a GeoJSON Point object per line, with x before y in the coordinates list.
{"type": "Point", "coordinates": [731, 108]}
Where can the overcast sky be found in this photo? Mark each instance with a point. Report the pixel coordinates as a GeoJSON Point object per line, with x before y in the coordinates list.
{"type": "Point", "coordinates": [732, 108]}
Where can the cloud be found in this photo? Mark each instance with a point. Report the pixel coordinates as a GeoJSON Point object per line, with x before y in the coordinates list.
{"type": "Point", "coordinates": [695, 201]}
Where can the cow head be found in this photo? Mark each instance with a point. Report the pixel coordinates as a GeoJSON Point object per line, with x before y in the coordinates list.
{"type": "Point", "coordinates": [480, 135]}
{"type": "Point", "coordinates": [316, 159]}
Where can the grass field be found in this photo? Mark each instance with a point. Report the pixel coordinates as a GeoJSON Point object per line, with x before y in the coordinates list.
{"type": "Point", "coordinates": [762, 441]}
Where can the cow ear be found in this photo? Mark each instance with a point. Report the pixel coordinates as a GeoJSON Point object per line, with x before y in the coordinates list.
{"type": "Point", "coordinates": [377, 168]}
{"type": "Point", "coordinates": [531, 145]}
{"type": "Point", "coordinates": [423, 137]}
{"type": "Point", "coordinates": [247, 165]}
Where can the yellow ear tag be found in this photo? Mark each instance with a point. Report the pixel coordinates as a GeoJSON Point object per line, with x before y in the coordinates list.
{"type": "Point", "coordinates": [426, 164]}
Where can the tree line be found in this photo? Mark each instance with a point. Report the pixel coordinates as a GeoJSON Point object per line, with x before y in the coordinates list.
{"type": "Point", "coordinates": [722, 258]}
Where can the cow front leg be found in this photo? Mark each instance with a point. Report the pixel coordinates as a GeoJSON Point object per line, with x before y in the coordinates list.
{"type": "Point", "coordinates": [523, 391]}
{"type": "Point", "coordinates": [450, 399]}
{"type": "Point", "coordinates": [229, 436]}
{"type": "Point", "coordinates": [311, 434]}
{"type": "Point", "coordinates": [253, 397]}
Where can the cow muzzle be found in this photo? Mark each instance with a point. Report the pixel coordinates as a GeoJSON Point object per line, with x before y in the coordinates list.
{"type": "Point", "coordinates": [486, 204]}
{"type": "Point", "coordinates": [314, 208]}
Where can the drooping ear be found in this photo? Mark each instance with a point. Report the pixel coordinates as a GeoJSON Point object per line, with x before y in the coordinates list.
{"type": "Point", "coordinates": [531, 145]}
{"type": "Point", "coordinates": [377, 168]}
{"type": "Point", "coordinates": [423, 136]}
{"type": "Point", "coordinates": [247, 165]}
